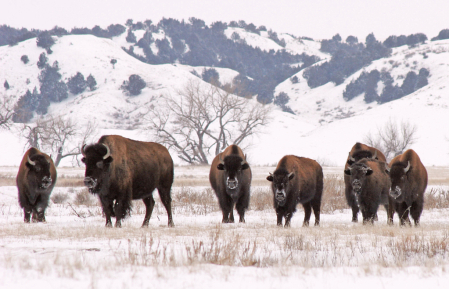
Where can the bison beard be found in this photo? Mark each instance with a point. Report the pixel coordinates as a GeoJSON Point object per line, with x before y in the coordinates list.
{"type": "Point", "coordinates": [120, 170]}
{"type": "Point", "coordinates": [297, 180]}
{"type": "Point", "coordinates": [230, 178]}
{"type": "Point", "coordinates": [35, 181]}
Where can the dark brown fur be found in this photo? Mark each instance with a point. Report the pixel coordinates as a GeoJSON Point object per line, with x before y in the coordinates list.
{"type": "Point", "coordinates": [35, 184]}
{"type": "Point", "coordinates": [411, 186]}
{"type": "Point", "coordinates": [132, 172]}
{"type": "Point", "coordinates": [358, 152]}
{"type": "Point", "coordinates": [229, 164]}
{"type": "Point", "coordinates": [370, 186]}
{"type": "Point", "coordinates": [304, 186]}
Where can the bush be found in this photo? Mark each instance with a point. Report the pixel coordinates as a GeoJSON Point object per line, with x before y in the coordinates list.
{"type": "Point", "coordinates": [45, 40]}
{"type": "Point", "coordinates": [76, 84]}
{"type": "Point", "coordinates": [210, 75]}
{"type": "Point", "coordinates": [42, 60]}
{"type": "Point", "coordinates": [134, 85]}
{"type": "Point", "coordinates": [59, 198]}
{"type": "Point", "coordinates": [444, 34]}
{"type": "Point", "coordinates": [25, 59]}
{"type": "Point", "coordinates": [85, 198]}
{"type": "Point", "coordinates": [91, 82]}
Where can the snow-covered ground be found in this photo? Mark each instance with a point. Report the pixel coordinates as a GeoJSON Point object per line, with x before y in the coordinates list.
{"type": "Point", "coordinates": [74, 250]}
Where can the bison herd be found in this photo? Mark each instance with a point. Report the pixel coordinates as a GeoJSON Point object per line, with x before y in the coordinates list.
{"type": "Point", "coordinates": [120, 170]}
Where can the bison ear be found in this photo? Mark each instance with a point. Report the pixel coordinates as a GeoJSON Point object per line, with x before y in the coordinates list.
{"type": "Point", "coordinates": [220, 167]}
{"type": "Point", "coordinates": [245, 166]}
{"type": "Point", "coordinates": [270, 178]}
{"type": "Point", "coordinates": [108, 160]}
{"type": "Point", "coordinates": [348, 172]}
{"type": "Point", "coordinates": [369, 172]}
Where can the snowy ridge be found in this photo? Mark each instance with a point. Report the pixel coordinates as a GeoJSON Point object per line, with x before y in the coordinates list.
{"type": "Point", "coordinates": [325, 125]}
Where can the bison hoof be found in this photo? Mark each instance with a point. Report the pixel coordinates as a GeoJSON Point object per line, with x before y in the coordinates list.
{"type": "Point", "coordinates": [171, 224]}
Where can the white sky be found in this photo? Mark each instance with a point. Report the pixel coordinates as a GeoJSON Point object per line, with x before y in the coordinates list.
{"type": "Point", "coordinates": [314, 18]}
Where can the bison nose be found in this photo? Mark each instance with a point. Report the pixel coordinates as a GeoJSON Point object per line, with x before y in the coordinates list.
{"type": "Point", "coordinates": [89, 182]}
{"type": "Point", "coordinates": [396, 192]}
{"type": "Point", "coordinates": [357, 186]}
{"type": "Point", "coordinates": [280, 195]}
{"type": "Point", "coordinates": [46, 182]}
{"type": "Point", "coordinates": [232, 183]}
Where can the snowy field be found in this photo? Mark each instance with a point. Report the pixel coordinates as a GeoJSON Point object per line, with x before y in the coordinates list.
{"type": "Point", "coordinates": [74, 249]}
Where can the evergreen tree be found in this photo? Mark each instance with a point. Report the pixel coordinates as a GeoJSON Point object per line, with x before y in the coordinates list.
{"type": "Point", "coordinates": [113, 62]}
{"type": "Point", "coordinates": [42, 60]}
{"type": "Point", "coordinates": [25, 59]}
{"type": "Point", "coordinates": [52, 87]}
{"type": "Point", "coordinates": [409, 84]}
{"type": "Point", "coordinates": [45, 40]}
{"type": "Point", "coordinates": [134, 85]}
{"type": "Point", "coordinates": [444, 34]}
{"type": "Point", "coordinates": [76, 84]}
{"type": "Point", "coordinates": [422, 78]}
{"type": "Point", "coordinates": [91, 82]}
{"type": "Point", "coordinates": [351, 40]}
{"type": "Point", "coordinates": [211, 75]}
{"type": "Point", "coordinates": [6, 85]}
{"type": "Point", "coordinates": [131, 38]}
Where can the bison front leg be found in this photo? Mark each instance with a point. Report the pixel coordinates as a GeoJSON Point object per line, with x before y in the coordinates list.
{"type": "Point", "coordinates": [27, 215]}
{"type": "Point", "coordinates": [108, 210]}
{"type": "Point", "coordinates": [416, 211]}
{"type": "Point", "coordinates": [149, 204]}
{"type": "Point", "coordinates": [242, 206]}
{"type": "Point", "coordinates": [390, 211]}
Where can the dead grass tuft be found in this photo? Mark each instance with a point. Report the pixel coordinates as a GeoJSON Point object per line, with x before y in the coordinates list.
{"type": "Point", "coordinates": [436, 198]}
{"type": "Point", "coordinates": [85, 198]}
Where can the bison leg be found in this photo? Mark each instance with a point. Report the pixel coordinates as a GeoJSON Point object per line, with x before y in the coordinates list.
{"type": "Point", "coordinates": [316, 206]}
{"type": "Point", "coordinates": [149, 204]}
{"type": "Point", "coordinates": [242, 206]}
{"type": "Point", "coordinates": [403, 212]}
{"type": "Point", "coordinates": [416, 211]}
{"type": "Point", "coordinates": [108, 209]}
{"type": "Point", "coordinates": [165, 195]}
{"type": "Point", "coordinates": [307, 212]}
{"type": "Point", "coordinates": [280, 211]}
{"type": "Point", "coordinates": [27, 216]}
{"type": "Point", "coordinates": [390, 211]}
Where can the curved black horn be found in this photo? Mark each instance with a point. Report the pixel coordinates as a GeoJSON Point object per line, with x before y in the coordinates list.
{"type": "Point", "coordinates": [407, 168]}
{"type": "Point", "coordinates": [30, 161]}
{"type": "Point", "coordinates": [108, 152]}
{"type": "Point", "coordinates": [82, 150]}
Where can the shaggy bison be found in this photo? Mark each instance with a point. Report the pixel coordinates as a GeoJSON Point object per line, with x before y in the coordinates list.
{"type": "Point", "coordinates": [35, 181]}
{"type": "Point", "coordinates": [359, 151]}
{"type": "Point", "coordinates": [230, 177]}
{"type": "Point", "coordinates": [119, 170]}
{"type": "Point", "coordinates": [370, 186]}
{"type": "Point", "coordinates": [297, 180]}
{"type": "Point", "coordinates": [408, 183]}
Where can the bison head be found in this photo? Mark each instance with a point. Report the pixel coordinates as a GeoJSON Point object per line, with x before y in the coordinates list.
{"type": "Point", "coordinates": [280, 185]}
{"type": "Point", "coordinates": [399, 175]}
{"type": "Point", "coordinates": [233, 167]}
{"type": "Point", "coordinates": [39, 175]}
{"type": "Point", "coordinates": [97, 159]}
{"type": "Point", "coordinates": [358, 173]}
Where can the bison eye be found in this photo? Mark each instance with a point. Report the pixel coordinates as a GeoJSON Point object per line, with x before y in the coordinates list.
{"type": "Point", "coordinates": [38, 169]}
{"type": "Point", "coordinates": [100, 164]}
{"type": "Point", "coordinates": [83, 160]}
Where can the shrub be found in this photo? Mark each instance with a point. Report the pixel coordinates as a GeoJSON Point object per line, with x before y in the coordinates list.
{"type": "Point", "coordinates": [25, 59]}
{"type": "Point", "coordinates": [134, 85]}
{"type": "Point", "coordinates": [76, 84]}
{"type": "Point", "coordinates": [45, 40]}
{"type": "Point", "coordinates": [59, 198]}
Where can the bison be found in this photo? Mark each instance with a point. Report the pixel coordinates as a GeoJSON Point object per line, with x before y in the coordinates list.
{"type": "Point", "coordinates": [35, 181]}
{"type": "Point", "coordinates": [358, 152]}
{"type": "Point", "coordinates": [120, 170]}
{"type": "Point", "coordinates": [297, 180]}
{"type": "Point", "coordinates": [230, 178]}
{"type": "Point", "coordinates": [408, 183]}
{"type": "Point", "coordinates": [370, 185]}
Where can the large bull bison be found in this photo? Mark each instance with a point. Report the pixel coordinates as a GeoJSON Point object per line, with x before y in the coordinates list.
{"type": "Point", "coordinates": [119, 170]}
{"type": "Point", "coordinates": [230, 177]}
{"type": "Point", "coordinates": [35, 181]}
{"type": "Point", "coordinates": [370, 186]}
{"type": "Point", "coordinates": [408, 183]}
{"type": "Point", "coordinates": [297, 180]}
{"type": "Point", "coordinates": [358, 152]}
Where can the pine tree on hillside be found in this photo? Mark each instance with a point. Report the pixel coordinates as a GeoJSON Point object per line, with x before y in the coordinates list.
{"type": "Point", "coordinates": [91, 82]}
{"type": "Point", "coordinates": [42, 60]}
{"type": "Point", "coordinates": [76, 84]}
{"type": "Point", "coordinates": [134, 84]}
{"type": "Point", "coordinates": [25, 59]}
{"type": "Point", "coordinates": [131, 38]}
{"type": "Point", "coordinates": [6, 85]}
{"type": "Point", "coordinates": [45, 40]}
{"type": "Point", "coordinates": [409, 84]}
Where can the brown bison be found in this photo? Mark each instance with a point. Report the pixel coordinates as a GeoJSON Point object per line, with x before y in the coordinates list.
{"type": "Point", "coordinates": [119, 170]}
{"type": "Point", "coordinates": [408, 183]}
{"type": "Point", "coordinates": [358, 152]}
{"type": "Point", "coordinates": [35, 181]}
{"type": "Point", "coordinates": [297, 180]}
{"type": "Point", "coordinates": [230, 177]}
{"type": "Point", "coordinates": [370, 185]}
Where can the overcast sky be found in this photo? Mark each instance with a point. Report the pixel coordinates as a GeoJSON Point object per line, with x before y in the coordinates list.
{"type": "Point", "coordinates": [313, 18]}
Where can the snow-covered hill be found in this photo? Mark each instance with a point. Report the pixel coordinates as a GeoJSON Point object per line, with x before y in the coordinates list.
{"type": "Point", "coordinates": [325, 126]}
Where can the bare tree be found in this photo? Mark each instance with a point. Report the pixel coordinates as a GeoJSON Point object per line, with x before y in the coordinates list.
{"type": "Point", "coordinates": [6, 111]}
{"type": "Point", "coordinates": [62, 137]}
{"type": "Point", "coordinates": [204, 119]}
{"type": "Point", "coordinates": [393, 139]}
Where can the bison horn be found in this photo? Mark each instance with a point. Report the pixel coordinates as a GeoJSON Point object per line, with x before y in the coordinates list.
{"type": "Point", "coordinates": [220, 159]}
{"type": "Point", "coordinates": [350, 157]}
{"type": "Point", "coordinates": [108, 152]}
{"type": "Point", "coordinates": [375, 155]}
{"type": "Point", "coordinates": [387, 169]}
{"type": "Point", "coordinates": [82, 150]}
{"type": "Point", "coordinates": [407, 168]}
{"type": "Point", "coordinates": [30, 161]}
